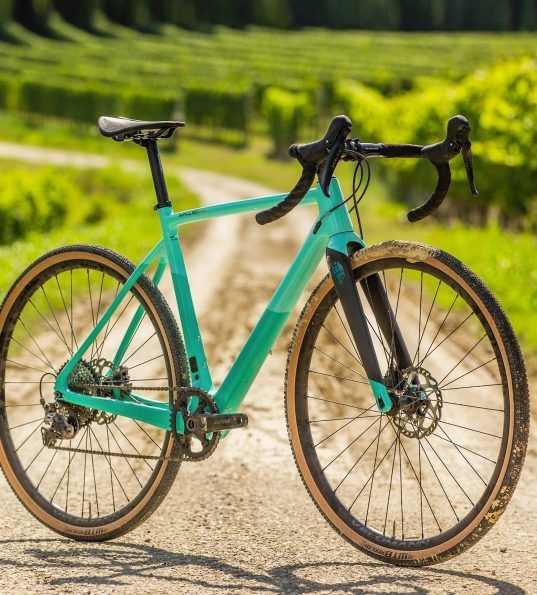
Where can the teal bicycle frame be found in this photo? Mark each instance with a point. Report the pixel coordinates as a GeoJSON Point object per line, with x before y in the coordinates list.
{"type": "Point", "coordinates": [335, 234]}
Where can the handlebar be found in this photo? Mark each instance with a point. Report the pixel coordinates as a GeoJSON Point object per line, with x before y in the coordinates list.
{"type": "Point", "coordinates": [321, 157]}
{"type": "Point", "coordinates": [312, 156]}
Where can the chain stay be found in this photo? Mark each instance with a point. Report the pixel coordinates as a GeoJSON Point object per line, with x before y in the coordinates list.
{"type": "Point", "coordinates": [126, 390]}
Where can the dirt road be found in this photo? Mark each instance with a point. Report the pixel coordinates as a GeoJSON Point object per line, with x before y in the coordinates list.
{"type": "Point", "coordinates": [242, 521]}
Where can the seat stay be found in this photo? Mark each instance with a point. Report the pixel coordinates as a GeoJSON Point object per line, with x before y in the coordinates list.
{"type": "Point", "coordinates": [61, 385]}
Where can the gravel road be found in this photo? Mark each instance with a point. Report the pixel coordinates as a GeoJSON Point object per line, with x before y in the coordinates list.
{"type": "Point", "coordinates": [242, 521]}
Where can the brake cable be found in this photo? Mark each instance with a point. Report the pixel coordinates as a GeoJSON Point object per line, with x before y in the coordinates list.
{"type": "Point", "coordinates": [360, 160]}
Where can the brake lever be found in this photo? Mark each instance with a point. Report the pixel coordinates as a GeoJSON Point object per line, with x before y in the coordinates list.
{"type": "Point", "coordinates": [457, 141]}
{"type": "Point", "coordinates": [330, 163]}
{"type": "Point", "coordinates": [468, 164]}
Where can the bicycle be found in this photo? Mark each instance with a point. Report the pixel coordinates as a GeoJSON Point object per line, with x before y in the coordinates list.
{"type": "Point", "coordinates": [406, 395]}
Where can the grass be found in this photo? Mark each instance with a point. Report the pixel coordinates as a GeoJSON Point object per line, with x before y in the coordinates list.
{"type": "Point", "coordinates": [176, 58]}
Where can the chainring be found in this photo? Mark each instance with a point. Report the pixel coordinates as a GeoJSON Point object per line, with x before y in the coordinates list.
{"type": "Point", "coordinates": [183, 405]}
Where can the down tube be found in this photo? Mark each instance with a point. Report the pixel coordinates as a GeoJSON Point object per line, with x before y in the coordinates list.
{"type": "Point", "coordinates": [256, 349]}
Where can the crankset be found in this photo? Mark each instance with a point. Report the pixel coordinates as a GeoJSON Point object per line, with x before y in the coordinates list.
{"type": "Point", "coordinates": [203, 423]}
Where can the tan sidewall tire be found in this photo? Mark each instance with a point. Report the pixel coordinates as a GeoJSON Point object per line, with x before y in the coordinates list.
{"type": "Point", "coordinates": [175, 353]}
{"type": "Point", "coordinates": [513, 461]}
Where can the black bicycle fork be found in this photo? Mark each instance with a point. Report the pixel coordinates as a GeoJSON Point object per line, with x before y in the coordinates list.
{"type": "Point", "coordinates": [340, 268]}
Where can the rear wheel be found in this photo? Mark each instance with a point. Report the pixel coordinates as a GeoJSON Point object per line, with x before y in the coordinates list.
{"type": "Point", "coordinates": [85, 493]}
{"type": "Point", "coordinates": [423, 483]}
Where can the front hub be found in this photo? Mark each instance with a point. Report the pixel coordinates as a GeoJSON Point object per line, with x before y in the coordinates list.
{"type": "Point", "coordinates": [418, 403]}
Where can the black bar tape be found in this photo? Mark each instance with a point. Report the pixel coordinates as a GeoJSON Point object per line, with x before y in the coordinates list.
{"type": "Point", "coordinates": [393, 151]}
{"type": "Point", "coordinates": [436, 199]}
{"type": "Point", "coordinates": [291, 200]}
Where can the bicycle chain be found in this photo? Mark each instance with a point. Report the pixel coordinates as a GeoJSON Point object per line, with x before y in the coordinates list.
{"type": "Point", "coordinates": [87, 451]}
{"type": "Point", "coordinates": [117, 454]}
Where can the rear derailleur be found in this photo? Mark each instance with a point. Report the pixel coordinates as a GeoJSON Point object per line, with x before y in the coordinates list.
{"type": "Point", "coordinates": [63, 420]}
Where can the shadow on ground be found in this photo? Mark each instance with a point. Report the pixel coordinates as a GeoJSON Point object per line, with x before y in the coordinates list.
{"type": "Point", "coordinates": [121, 564]}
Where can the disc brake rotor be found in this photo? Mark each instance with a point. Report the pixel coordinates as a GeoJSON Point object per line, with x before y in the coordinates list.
{"type": "Point", "coordinates": [420, 404]}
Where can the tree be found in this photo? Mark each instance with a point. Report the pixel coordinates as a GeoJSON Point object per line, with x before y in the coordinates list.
{"type": "Point", "coordinates": [6, 8]}
{"type": "Point", "coordinates": [177, 12]}
{"type": "Point", "coordinates": [33, 14]}
{"type": "Point", "coordinates": [80, 14]}
{"type": "Point", "coordinates": [131, 13]}
{"type": "Point", "coordinates": [272, 13]}
{"type": "Point", "coordinates": [515, 14]}
{"type": "Point", "coordinates": [415, 15]}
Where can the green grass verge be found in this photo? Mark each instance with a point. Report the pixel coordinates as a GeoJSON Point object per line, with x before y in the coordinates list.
{"type": "Point", "coordinates": [129, 227]}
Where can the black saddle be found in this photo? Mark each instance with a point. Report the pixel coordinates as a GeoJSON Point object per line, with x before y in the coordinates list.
{"type": "Point", "coordinates": [124, 129]}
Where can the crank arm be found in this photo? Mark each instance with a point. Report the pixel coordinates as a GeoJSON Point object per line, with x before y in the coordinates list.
{"type": "Point", "coordinates": [340, 268]}
{"type": "Point", "coordinates": [217, 422]}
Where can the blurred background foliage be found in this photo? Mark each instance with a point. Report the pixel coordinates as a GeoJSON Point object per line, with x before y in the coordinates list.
{"type": "Point", "coordinates": [242, 81]}
{"type": "Point", "coordinates": [405, 15]}
{"type": "Point", "coordinates": [251, 77]}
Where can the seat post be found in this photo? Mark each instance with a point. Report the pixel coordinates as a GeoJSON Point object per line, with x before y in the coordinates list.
{"type": "Point", "coordinates": [161, 190]}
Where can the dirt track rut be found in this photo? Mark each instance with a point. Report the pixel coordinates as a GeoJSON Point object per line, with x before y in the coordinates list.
{"type": "Point", "coordinates": [242, 521]}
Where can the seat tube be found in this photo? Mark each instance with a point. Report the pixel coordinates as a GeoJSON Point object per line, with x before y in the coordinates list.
{"type": "Point", "coordinates": [197, 360]}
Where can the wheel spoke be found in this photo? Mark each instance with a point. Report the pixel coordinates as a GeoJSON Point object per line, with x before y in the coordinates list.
{"type": "Point", "coordinates": [345, 348]}
{"type": "Point", "coordinates": [340, 403]}
{"type": "Point", "coordinates": [343, 426]}
{"type": "Point", "coordinates": [460, 361]}
{"type": "Point", "coordinates": [26, 366]}
{"type": "Point", "coordinates": [348, 335]}
{"type": "Point", "coordinates": [359, 459]}
{"type": "Point", "coordinates": [467, 373]}
{"type": "Point", "coordinates": [331, 376]}
{"type": "Point", "coordinates": [60, 336]}
{"type": "Point", "coordinates": [146, 361]}
{"type": "Point", "coordinates": [391, 483]}
{"type": "Point", "coordinates": [351, 443]}
{"type": "Point", "coordinates": [137, 451]}
{"type": "Point", "coordinates": [341, 363]}
{"type": "Point", "coordinates": [139, 347]}
{"type": "Point", "coordinates": [421, 487]}
{"type": "Point", "coordinates": [127, 460]}
{"type": "Point", "coordinates": [94, 476]}
{"type": "Point", "coordinates": [427, 319]}
{"type": "Point", "coordinates": [428, 352]}
{"type": "Point", "coordinates": [70, 319]}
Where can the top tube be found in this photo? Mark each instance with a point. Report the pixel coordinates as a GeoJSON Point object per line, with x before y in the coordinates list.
{"type": "Point", "coordinates": [239, 206]}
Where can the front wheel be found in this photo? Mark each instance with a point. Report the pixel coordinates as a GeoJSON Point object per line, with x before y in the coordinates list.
{"type": "Point", "coordinates": [426, 481]}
